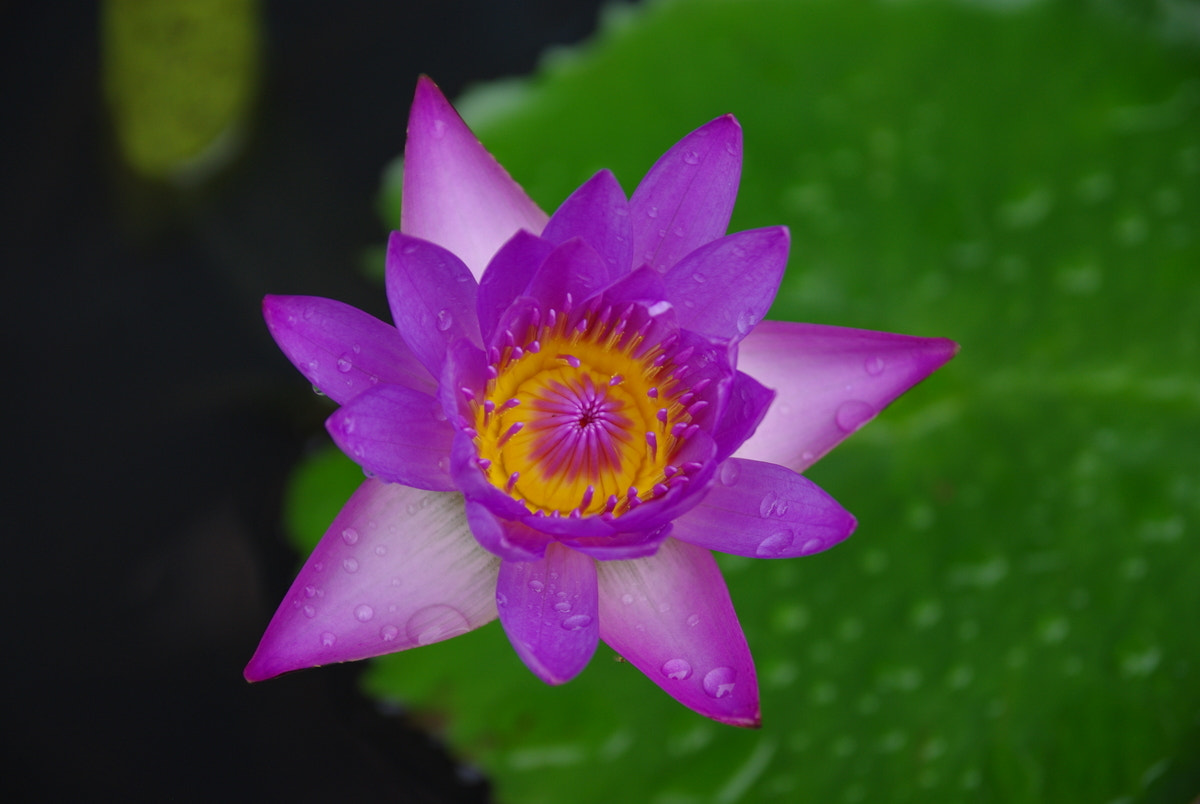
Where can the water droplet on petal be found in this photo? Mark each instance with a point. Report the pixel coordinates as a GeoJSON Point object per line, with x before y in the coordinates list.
{"type": "Point", "coordinates": [444, 320]}
{"type": "Point", "coordinates": [364, 613]}
{"type": "Point", "coordinates": [576, 622]}
{"type": "Point", "coordinates": [435, 623]}
{"type": "Point", "coordinates": [730, 472]}
{"type": "Point", "coordinates": [537, 586]}
{"type": "Point", "coordinates": [310, 591]}
{"type": "Point", "coordinates": [772, 504]}
{"type": "Point", "coordinates": [874, 365]}
{"type": "Point", "coordinates": [691, 157]}
{"type": "Point", "coordinates": [562, 607]}
{"type": "Point", "coordinates": [627, 599]}
{"type": "Point", "coordinates": [501, 599]}
{"type": "Point", "coordinates": [746, 321]}
{"type": "Point", "coordinates": [718, 682]}
{"type": "Point", "coordinates": [439, 128]}
{"type": "Point", "coordinates": [699, 278]}
{"type": "Point", "coordinates": [775, 544]}
{"type": "Point", "coordinates": [309, 612]}
{"type": "Point", "coordinates": [853, 414]}
{"type": "Point", "coordinates": [693, 621]}
{"type": "Point", "coordinates": [350, 536]}
{"type": "Point", "coordinates": [344, 364]}
{"type": "Point", "coordinates": [380, 550]}
{"type": "Point", "coordinates": [811, 546]}
{"type": "Point", "coordinates": [388, 633]}
{"type": "Point", "coordinates": [350, 565]}
{"type": "Point", "coordinates": [677, 669]}
{"type": "Point", "coordinates": [328, 638]}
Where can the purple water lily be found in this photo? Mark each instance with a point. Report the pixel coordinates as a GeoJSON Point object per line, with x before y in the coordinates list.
{"type": "Point", "coordinates": [569, 414]}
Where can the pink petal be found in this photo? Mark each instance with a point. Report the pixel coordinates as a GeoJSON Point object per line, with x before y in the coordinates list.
{"type": "Point", "coordinates": [597, 213]}
{"type": "Point", "coordinates": [455, 193]}
{"type": "Point", "coordinates": [340, 349]}
{"type": "Point", "coordinates": [548, 610]}
{"type": "Point", "coordinates": [829, 381]}
{"type": "Point", "coordinates": [763, 510]}
{"type": "Point", "coordinates": [397, 569]}
{"type": "Point", "coordinates": [670, 615]}
{"type": "Point", "coordinates": [687, 197]}
{"type": "Point", "coordinates": [724, 288]}
{"type": "Point", "coordinates": [432, 296]}
{"type": "Point", "coordinates": [398, 435]}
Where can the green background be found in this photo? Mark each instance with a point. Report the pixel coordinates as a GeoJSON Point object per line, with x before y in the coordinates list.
{"type": "Point", "coordinates": [1015, 619]}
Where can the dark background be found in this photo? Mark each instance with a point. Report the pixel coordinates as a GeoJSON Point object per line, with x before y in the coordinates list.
{"type": "Point", "coordinates": [151, 423]}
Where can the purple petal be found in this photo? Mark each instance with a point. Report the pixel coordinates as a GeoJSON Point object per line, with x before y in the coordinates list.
{"type": "Point", "coordinates": [574, 269]}
{"type": "Point", "coordinates": [724, 288]}
{"type": "Point", "coordinates": [507, 276]}
{"type": "Point", "coordinates": [829, 381]}
{"type": "Point", "coordinates": [470, 480]}
{"type": "Point", "coordinates": [510, 540]}
{"type": "Point", "coordinates": [432, 296]}
{"type": "Point", "coordinates": [598, 214]}
{"type": "Point", "coordinates": [465, 370]}
{"type": "Point", "coordinates": [548, 610]}
{"type": "Point", "coordinates": [340, 349]}
{"type": "Point", "coordinates": [628, 544]}
{"type": "Point", "coordinates": [398, 435]}
{"type": "Point", "coordinates": [670, 615]}
{"type": "Point", "coordinates": [397, 569]}
{"type": "Point", "coordinates": [687, 197]}
{"type": "Point", "coordinates": [745, 408]}
{"type": "Point", "coordinates": [764, 510]}
{"type": "Point", "coordinates": [455, 193]}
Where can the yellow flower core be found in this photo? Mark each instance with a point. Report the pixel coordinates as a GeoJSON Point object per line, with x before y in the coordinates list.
{"type": "Point", "coordinates": [583, 419]}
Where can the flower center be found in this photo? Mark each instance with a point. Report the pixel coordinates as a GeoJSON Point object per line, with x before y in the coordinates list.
{"type": "Point", "coordinates": [582, 415]}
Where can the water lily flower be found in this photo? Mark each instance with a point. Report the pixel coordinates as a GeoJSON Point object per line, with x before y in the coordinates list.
{"type": "Point", "coordinates": [568, 416]}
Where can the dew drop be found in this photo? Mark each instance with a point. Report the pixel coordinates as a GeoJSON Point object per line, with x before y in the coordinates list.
{"type": "Point", "coordinates": [310, 591]}
{"type": "Point", "coordinates": [439, 128]}
{"type": "Point", "coordinates": [435, 623]}
{"type": "Point", "coordinates": [718, 682]}
{"type": "Point", "coordinates": [562, 607]}
{"type": "Point", "coordinates": [344, 364]}
{"type": "Point", "coordinates": [328, 638]}
{"type": "Point", "coordinates": [677, 669]}
{"type": "Point", "coordinates": [350, 565]}
{"type": "Point", "coordinates": [853, 414]}
{"type": "Point", "coordinates": [309, 612]}
{"type": "Point", "coordinates": [775, 544]}
{"type": "Point", "coordinates": [350, 536]}
{"type": "Point", "coordinates": [730, 472]}
{"type": "Point", "coordinates": [537, 586]}
{"type": "Point", "coordinates": [699, 278]}
{"type": "Point", "coordinates": [811, 546]}
{"type": "Point", "coordinates": [444, 463]}
{"type": "Point", "coordinates": [364, 613]}
{"type": "Point", "coordinates": [693, 621]}
{"type": "Point", "coordinates": [576, 621]}
{"type": "Point", "coordinates": [444, 320]}
{"type": "Point", "coordinates": [501, 599]}
{"type": "Point", "coordinates": [652, 212]}
{"type": "Point", "coordinates": [874, 365]}
{"type": "Point", "coordinates": [772, 504]}
{"type": "Point", "coordinates": [627, 599]}
{"type": "Point", "coordinates": [746, 321]}
{"type": "Point", "coordinates": [389, 633]}
{"type": "Point", "coordinates": [691, 157]}
{"type": "Point", "coordinates": [380, 550]}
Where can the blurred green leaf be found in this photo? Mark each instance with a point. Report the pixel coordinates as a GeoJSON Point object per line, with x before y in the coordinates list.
{"type": "Point", "coordinates": [1015, 619]}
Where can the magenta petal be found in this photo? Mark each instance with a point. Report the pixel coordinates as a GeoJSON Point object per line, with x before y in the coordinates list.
{"type": "Point", "coordinates": [724, 288]}
{"type": "Point", "coordinates": [829, 382]}
{"type": "Point", "coordinates": [747, 404]}
{"type": "Point", "coordinates": [687, 197]}
{"type": "Point", "coordinates": [507, 276]}
{"type": "Point", "coordinates": [432, 296]}
{"type": "Point", "coordinates": [509, 540]}
{"type": "Point", "coordinates": [598, 214]}
{"type": "Point", "coordinates": [397, 569]}
{"type": "Point", "coordinates": [548, 610]}
{"type": "Point", "coordinates": [670, 615]}
{"type": "Point", "coordinates": [398, 435]}
{"type": "Point", "coordinates": [763, 510]}
{"type": "Point", "coordinates": [340, 349]}
{"type": "Point", "coordinates": [573, 269]}
{"type": "Point", "coordinates": [627, 544]}
{"type": "Point", "coordinates": [455, 193]}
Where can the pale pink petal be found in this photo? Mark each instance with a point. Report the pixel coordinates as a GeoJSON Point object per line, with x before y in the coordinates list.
{"type": "Point", "coordinates": [548, 610]}
{"type": "Point", "coordinates": [455, 193]}
{"type": "Point", "coordinates": [686, 199]}
{"type": "Point", "coordinates": [763, 510]}
{"type": "Point", "coordinates": [397, 569]}
{"type": "Point", "coordinates": [340, 349]}
{"type": "Point", "coordinates": [829, 381]}
{"type": "Point", "coordinates": [670, 615]}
